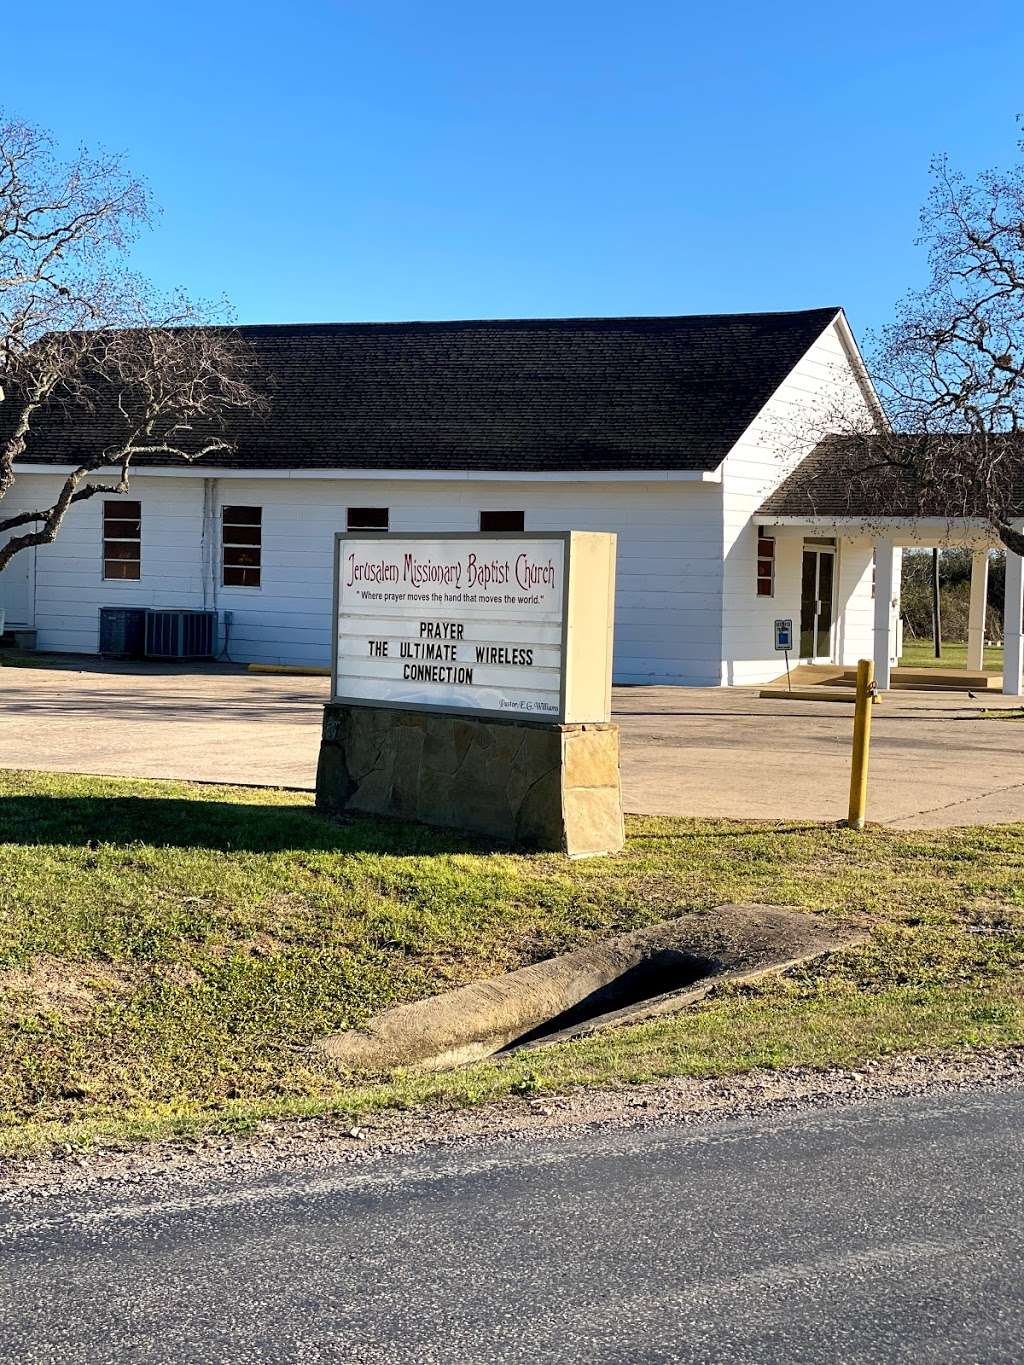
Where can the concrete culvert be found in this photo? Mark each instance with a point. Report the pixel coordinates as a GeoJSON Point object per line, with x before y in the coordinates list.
{"type": "Point", "coordinates": [634, 976]}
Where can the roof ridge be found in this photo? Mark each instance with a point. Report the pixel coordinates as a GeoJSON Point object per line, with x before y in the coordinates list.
{"type": "Point", "coordinates": [569, 320]}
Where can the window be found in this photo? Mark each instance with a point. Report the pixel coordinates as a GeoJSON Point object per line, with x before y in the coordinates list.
{"type": "Point", "coordinates": [367, 518]}
{"type": "Point", "coordinates": [242, 541]}
{"type": "Point", "coordinates": [502, 521]}
{"type": "Point", "coordinates": [122, 540]}
{"type": "Point", "coordinates": [765, 564]}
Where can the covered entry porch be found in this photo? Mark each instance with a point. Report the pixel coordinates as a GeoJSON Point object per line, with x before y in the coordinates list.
{"type": "Point", "coordinates": [889, 537]}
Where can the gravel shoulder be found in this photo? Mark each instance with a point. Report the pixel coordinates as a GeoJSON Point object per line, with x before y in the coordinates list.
{"type": "Point", "coordinates": [314, 1146]}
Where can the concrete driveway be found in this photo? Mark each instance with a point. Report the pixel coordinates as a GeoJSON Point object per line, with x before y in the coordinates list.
{"type": "Point", "coordinates": [724, 752]}
{"type": "Point", "coordinates": [685, 751]}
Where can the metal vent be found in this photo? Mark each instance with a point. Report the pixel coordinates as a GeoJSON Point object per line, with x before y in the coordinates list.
{"type": "Point", "coordinates": [122, 632]}
{"type": "Point", "coordinates": [181, 634]}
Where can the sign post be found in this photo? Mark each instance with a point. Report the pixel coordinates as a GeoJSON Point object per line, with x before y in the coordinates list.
{"type": "Point", "coordinates": [784, 642]}
{"type": "Point", "coordinates": [478, 671]}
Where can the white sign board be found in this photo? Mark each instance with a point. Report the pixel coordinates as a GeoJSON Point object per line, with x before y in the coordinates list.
{"type": "Point", "coordinates": [462, 623]}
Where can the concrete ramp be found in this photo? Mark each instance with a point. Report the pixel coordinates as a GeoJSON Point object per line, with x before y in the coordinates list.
{"type": "Point", "coordinates": [652, 971]}
{"type": "Point", "coordinates": [807, 678]}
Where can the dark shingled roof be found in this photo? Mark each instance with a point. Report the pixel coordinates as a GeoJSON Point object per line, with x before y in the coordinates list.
{"type": "Point", "coordinates": [541, 394]}
{"type": "Point", "coordinates": [912, 475]}
{"type": "Point", "coordinates": [828, 483]}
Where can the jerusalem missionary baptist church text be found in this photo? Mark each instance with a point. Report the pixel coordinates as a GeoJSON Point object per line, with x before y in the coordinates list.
{"type": "Point", "coordinates": [472, 572]}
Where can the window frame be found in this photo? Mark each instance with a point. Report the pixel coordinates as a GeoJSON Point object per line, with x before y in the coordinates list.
{"type": "Point", "coordinates": [764, 537]}
{"type": "Point", "coordinates": [241, 545]}
{"type": "Point", "coordinates": [502, 512]}
{"type": "Point", "coordinates": [367, 524]}
{"type": "Point", "coordinates": [108, 519]}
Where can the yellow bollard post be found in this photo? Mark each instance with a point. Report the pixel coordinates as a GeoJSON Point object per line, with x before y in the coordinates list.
{"type": "Point", "coordinates": [861, 743]}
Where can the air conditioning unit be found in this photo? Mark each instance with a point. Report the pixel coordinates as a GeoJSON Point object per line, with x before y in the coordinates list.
{"type": "Point", "coordinates": [122, 632]}
{"type": "Point", "coordinates": [181, 634]}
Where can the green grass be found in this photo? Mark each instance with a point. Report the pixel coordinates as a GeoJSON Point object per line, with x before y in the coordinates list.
{"type": "Point", "coordinates": [921, 654]}
{"type": "Point", "coordinates": [168, 952]}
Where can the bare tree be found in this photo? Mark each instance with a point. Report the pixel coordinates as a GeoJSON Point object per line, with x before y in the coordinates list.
{"type": "Point", "coordinates": [949, 370]}
{"type": "Point", "coordinates": [85, 346]}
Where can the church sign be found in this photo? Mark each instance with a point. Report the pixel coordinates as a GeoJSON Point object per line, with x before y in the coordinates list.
{"type": "Point", "coordinates": [516, 625]}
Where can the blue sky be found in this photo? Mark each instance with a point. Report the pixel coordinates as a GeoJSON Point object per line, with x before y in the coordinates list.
{"type": "Point", "coordinates": [381, 160]}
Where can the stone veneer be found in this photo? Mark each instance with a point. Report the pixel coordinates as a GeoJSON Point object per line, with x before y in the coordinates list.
{"type": "Point", "coordinates": [527, 783]}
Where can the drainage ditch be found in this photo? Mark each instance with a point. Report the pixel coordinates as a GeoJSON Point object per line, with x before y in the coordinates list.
{"type": "Point", "coordinates": [662, 974]}
{"type": "Point", "coordinates": [655, 970]}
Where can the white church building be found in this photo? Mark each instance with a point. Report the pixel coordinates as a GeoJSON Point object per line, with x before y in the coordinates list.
{"type": "Point", "coordinates": [675, 433]}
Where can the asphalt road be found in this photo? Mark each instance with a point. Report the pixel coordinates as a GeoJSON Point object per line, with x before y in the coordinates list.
{"type": "Point", "coordinates": [889, 1231]}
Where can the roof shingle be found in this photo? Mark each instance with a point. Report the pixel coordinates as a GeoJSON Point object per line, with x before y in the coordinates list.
{"type": "Point", "coordinates": [658, 393]}
{"type": "Point", "coordinates": [906, 475]}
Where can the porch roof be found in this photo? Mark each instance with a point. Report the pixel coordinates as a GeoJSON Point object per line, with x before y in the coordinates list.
{"type": "Point", "coordinates": [878, 483]}
{"type": "Point", "coordinates": [912, 532]}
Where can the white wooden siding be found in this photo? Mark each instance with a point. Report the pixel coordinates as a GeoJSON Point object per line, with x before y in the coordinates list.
{"type": "Point", "coordinates": [772, 446]}
{"type": "Point", "coordinates": [70, 587]}
{"type": "Point", "coordinates": [668, 592]}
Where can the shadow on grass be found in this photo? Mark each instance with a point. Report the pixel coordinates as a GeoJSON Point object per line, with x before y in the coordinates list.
{"type": "Point", "coordinates": [89, 821]}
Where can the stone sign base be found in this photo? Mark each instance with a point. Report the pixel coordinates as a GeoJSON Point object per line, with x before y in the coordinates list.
{"type": "Point", "coordinates": [528, 783]}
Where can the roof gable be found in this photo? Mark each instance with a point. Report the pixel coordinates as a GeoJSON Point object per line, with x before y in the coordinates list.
{"type": "Point", "coordinates": [664, 394]}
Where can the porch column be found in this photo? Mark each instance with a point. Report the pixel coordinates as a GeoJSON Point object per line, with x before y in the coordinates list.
{"type": "Point", "coordinates": [979, 602]}
{"type": "Point", "coordinates": [885, 559]}
{"type": "Point", "coordinates": [1012, 651]}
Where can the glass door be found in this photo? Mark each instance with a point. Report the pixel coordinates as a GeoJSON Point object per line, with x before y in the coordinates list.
{"type": "Point", "coordinates": [817, 581]}
{"type": "Point", "coordinates": [826, 574]}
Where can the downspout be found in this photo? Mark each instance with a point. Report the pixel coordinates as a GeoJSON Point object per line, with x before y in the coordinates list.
{"type": "Point", "coordinates": [208, 544]}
